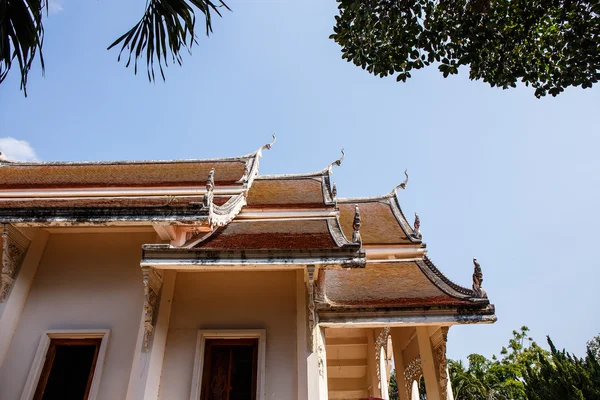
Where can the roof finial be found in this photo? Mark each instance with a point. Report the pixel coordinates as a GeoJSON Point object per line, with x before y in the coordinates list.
{"type": "Point", "coordinates": [337, 162]}
{"type": "Point", "coordinates": [416, 226]}
{"type": "Point", "coordinates": [210, 185]}
{"type": "Point", "coordinates": [356, 225]}
{"type": "Point", "coordinates": [403, 184]}
{"type": "Point", "coordinates": [268, 145]}
{"type": "Point", "coordinates": [478, 280]}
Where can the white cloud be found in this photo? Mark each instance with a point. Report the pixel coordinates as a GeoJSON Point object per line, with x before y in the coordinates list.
{"type": "Point", "coordinates": [55, 6]}
{"type": "Point", "coordinates": [17, 150]}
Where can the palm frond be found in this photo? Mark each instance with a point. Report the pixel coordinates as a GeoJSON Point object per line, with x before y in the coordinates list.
{"type": "Point", "coordinates": [21, 36]}
{"type": "Point", "coordinates": [167, 27]}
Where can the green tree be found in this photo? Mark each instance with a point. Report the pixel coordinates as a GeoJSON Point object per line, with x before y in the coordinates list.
{"type": "Point", "coordinates": [393, 391]}
{"type": "Point", "coordinates": [594, 346]}
{"type": "Point", "coordinates": [166, 28]}
{"type": "Point", "coordinates": [548, 44]}
{"type": "Point", "coordinates": [496, 379]}
{"type": "Point", "coordinates": [563, 376]}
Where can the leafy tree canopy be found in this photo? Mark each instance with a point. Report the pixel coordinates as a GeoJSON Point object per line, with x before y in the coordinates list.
{"type": "Point", "coordinates": [548, 44]}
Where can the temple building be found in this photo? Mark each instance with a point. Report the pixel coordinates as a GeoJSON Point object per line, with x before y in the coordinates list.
{"type": "Point", "coordinates": [204, 280]}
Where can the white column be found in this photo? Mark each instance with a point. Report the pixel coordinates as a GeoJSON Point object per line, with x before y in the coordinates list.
{"type": "Point", "coordinates": [317, 361]}
{"type": "Point", "coordinates": [428, 364]}
{"type": "Point", "coordinates": [146, 370]}
{"type": "Point", "coordinates": [372, 364]}
{"type": "Point", "coordinates": [302, 352]}
{"type": "Point", "coordinates": [12, 308]}
{"type": "Point", "coordinates": [399, 341]}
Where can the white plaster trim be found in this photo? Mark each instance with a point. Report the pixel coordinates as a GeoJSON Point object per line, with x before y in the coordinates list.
{"type": "Point", "coordinates": [403, 252]}
{"type": "Point", "coordinates": [96, 192]}
{"type": "Point", "coordinates": [40, 357]}
{"type": "Point", "coordinates": [259, 334]}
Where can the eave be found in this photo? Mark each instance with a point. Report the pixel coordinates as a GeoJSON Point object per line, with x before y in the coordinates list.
{"type": "Point", "coordinates": [94, 216]}
{"type": "Point", "coordinates": [393, 317]}
{"type": "Point", "coordinates": [169, 257]}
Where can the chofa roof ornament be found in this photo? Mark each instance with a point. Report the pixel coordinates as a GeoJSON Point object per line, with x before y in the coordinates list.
{"type": "Point", "coordinates": [356, 225]}
{"type": "Point", "coordinates": [337, 162]}
{"type": "Point", "coordinates": [268, 145]}
{"type": "Point", "coordinates": [403, 184]}
{"type": "Point", "coordinates": [478, 280]}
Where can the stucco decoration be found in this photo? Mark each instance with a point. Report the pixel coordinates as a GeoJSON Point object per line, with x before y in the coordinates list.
{"type": "Point", "coordinates": [439, 340]}
{"type": "Point", "coordinates": [478, 280]}
{"type": "Point", "coordinates": [312, 314]}
{"type": "Point", "coordinates": [412, 372]}
{"type": "Point", "coordinates": [153, 280]}
{"type": "Point", "coordinates": [381, 342]}
{"type": "Point", "coordinates": [356, 226]}
{"type": "Point", "coordinates": [14, 247]}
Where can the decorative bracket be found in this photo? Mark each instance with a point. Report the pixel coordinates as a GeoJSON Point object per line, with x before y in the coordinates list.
{"type": "Point", "coordinates": [311, 275]}
{"type": "Point", "coordinates": [439, 340]}
{"type": "Point", "coordinates": [14, 247]}
{"type": "Point", "coordinates": [153, 280]}
{"type": "Point", "coordinates": [412, 372]}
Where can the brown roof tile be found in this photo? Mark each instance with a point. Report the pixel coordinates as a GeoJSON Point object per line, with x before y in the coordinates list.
{"type": "Point", "coordinates": [271, 235]}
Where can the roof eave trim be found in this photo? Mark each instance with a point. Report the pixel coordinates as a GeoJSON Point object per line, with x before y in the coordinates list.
{"type": "Point", "coordinates": [446, 285]}
{"type": "Point", "coordinates": [377, 317]}
{"type": "Point", "coordinates": [167, 256]}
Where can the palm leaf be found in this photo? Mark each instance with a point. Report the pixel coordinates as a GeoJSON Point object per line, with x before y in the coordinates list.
{"type": "Point", "coordinates": [21, 36]}
{"type": "Point", "coordinates": [167, 27]}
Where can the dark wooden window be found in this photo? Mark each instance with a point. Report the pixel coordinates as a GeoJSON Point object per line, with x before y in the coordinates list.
{"type": "Point", "coordinates": [230, 367]}
{"type": "Point", "coordinates": [68, 370]}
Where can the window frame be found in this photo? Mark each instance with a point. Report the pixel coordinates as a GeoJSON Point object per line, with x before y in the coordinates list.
{"type": "Point", "coordinates": [203, 335]}
{"type": "Point", "coordinates": [42, 350]}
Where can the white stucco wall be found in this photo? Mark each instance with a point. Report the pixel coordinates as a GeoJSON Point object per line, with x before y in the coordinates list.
{"type": "Point", "coordinates": [233, 300]}
{"type": "Point", "coordinates": [84, 281]}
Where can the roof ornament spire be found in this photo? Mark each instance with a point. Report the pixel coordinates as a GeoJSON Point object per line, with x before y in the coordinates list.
{"type": "Point", "coordinates": [417, 224]}
{"type": "Point", "coordinates": [356, 225]}
{"type": "Point", "coordinates": [268, 145]}
{"type": "Point", "coordinates": [337, 162]}
{"type": "Point", "coordinates": [403, 184]}
{"type": "Point", "coordinates": [210, 185]}
{"type": "Point", "coordinates": [478, 280]}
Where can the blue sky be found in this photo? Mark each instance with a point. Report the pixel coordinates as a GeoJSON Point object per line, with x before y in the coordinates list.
{"type": "Point", "coordinates": [498, 175]}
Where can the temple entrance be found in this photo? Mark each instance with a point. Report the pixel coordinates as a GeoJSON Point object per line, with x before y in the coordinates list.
{"type": "Point", "coordinates": [230, 367]}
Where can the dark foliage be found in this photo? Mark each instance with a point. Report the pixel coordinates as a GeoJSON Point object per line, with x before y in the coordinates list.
{"type": "Point", "coordinates": [564, 377]}
{"type": "Point", "coordinates": [21, 35]}
{"type": "Point", "coordinates": [548, 44]}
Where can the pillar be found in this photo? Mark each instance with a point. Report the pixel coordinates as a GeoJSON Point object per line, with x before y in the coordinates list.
{"type": "Point", "coordinates": [317, 360]}
{"type": "Point", "coordinates": [399, 341]}
{"type": "Point", "coordinates": [146, 370]}
{"type": "Point", "coordinates": [20, 259]}
{"type": "Point", "coordinates": [428, 364]}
